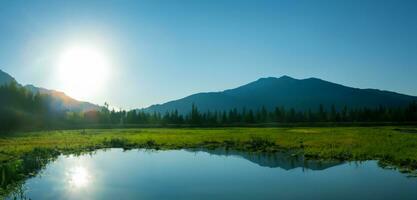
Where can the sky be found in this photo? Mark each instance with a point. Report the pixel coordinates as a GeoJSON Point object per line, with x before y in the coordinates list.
{"type": "Point", "coordinates": [158, 51]}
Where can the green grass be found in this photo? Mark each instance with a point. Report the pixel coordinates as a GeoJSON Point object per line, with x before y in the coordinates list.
{"type": "Point", "coordinates": [23, 155]}
{"type": "Point", "coordinates": [393, 145]}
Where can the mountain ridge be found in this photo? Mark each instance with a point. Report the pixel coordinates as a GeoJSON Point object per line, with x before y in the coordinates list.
{"type": "Point", "coordinates": [300, 94]}
{"type": "Point", "coordinates": [60, 101]}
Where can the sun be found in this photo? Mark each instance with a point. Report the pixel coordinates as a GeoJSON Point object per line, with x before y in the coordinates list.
{"type": "Point", "coordinates": [82, 71]}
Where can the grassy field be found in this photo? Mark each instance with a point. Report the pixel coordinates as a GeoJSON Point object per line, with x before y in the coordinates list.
{"type": "Point", "coordinates": [23, 155]}
{"type": "Point", "coordinates": [393, 145]}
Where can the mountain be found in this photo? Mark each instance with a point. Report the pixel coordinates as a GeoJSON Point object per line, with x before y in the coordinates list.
{"type": "Point", "coordinates": [300, 94]}
{"type": "Point", "coordinates": [60, 101]}
{"type": "Point", "coordinates": [5, 78]}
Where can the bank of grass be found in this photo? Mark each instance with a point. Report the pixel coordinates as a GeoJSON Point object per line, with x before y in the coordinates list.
{"type": "Point", "coordinates": [395, 146]}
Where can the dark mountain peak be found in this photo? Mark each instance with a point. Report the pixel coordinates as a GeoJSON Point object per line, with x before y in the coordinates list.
{"type": "Point", "coordinates": [267, 79]}
{"type": "Point", "coordinates": [285, 77]}
{"type": "Point", "coordinates": [313, 79]}
{"type": "Point", "coordinates": [300, 94]}
{"type": "Point", "coordinates": [263, 81]}
{"type": "Point", "coordinates": [274, 79]}
{"type": "Point", "coordinates": [283, 80]}
{"type": "Point", "coordinates": [267, 84]}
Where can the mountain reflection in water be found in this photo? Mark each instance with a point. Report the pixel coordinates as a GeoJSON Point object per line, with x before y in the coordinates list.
{"type": "Point", "coordinates": [283, 160]}
{"type": "Point", "coordinates": [201, 174]}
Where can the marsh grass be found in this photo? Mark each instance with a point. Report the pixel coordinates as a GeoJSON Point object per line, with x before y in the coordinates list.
{"type": "Point", "coordinates": [26, 153]}
{"type": "Point", "coordinates": [346, 143]}
{"type": "Point", "coordinates": [260, 143]}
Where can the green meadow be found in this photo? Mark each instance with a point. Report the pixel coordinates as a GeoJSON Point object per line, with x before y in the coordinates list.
{"type": "Point", "coordinates": [23, 155]}
{"type": "Point", "coordinates": [395, 146]}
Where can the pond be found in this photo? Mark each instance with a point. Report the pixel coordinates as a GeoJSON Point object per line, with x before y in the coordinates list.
{"type": "Point", "coordinates": [212, 174]}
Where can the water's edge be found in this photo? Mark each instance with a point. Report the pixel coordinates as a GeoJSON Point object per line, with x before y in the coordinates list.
{"type": "Point", "coordinates": [14, 174]}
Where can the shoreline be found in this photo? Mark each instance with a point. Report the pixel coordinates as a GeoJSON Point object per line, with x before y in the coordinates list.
{"type": "Point", "coordinates": [392, 146]}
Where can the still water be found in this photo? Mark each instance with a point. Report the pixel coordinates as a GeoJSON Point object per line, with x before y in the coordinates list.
{"type": "Point", "coordinates": [212, 174]}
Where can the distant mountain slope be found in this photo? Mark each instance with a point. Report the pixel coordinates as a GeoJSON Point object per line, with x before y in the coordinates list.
{"type": "Point", "coordinates": [60, 101]}
{"type": "Point", "coordinates": [5, 78]}
{"type": "Point", "coordinates": [301, 94]}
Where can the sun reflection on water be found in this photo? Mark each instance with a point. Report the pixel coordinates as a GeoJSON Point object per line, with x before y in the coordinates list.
{"type": "Point", "coordinates": [79, 177]}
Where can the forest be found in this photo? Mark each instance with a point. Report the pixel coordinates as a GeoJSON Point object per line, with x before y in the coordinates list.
{"type": "Point", "coordinates": [21, 109]}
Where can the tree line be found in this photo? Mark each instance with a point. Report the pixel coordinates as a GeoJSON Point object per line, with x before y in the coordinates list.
{"type": "Point", "coordinates": [21, 109]}
{"type": "Point", "coordinates": [278, 115]}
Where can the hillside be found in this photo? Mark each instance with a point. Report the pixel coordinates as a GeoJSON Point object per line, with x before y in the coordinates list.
{"type": "Point", "coordinates": [301, 94]}
{"type": "Point", "coordinates": [60, 101]}
{"type": "Point", "coordinates": [5, 78]}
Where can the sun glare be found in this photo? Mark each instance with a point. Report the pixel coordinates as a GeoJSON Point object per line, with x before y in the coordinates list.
{"type": "Point", "coordinates": [79, 177]}
{"type": "Point", "coordinates": [82, 71]}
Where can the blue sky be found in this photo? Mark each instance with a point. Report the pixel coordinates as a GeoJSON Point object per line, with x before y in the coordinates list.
{"type": "Point", "coordinates": [164, 50]}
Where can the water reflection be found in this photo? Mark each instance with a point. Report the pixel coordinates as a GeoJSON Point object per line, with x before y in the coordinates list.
{"type": "Point", "coordinates": [212, 174]}
{"type": "Point", "coordinates": [283, 160]}
{"type": "Point", "coordinates": [78, 177]}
